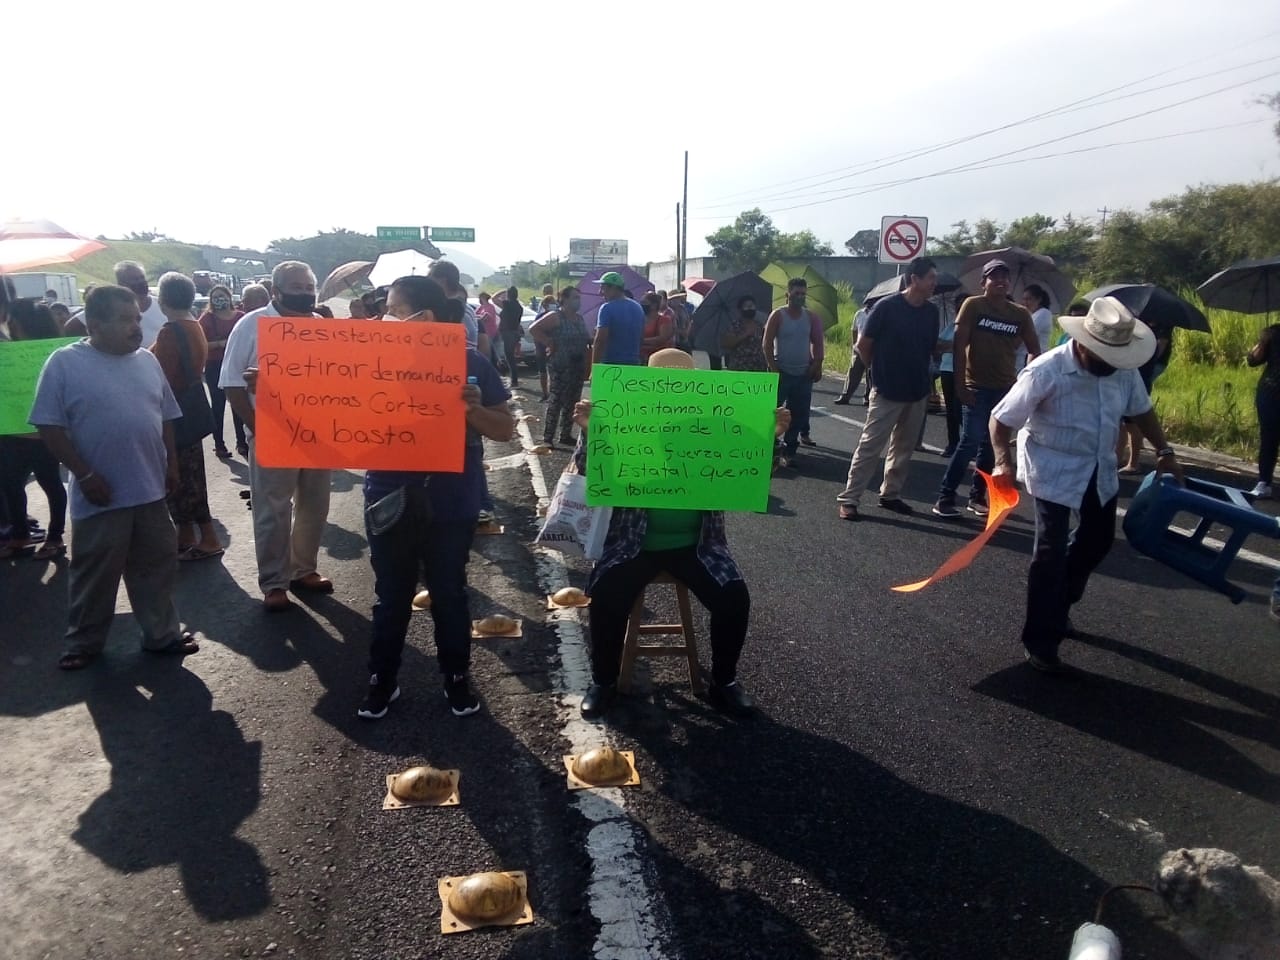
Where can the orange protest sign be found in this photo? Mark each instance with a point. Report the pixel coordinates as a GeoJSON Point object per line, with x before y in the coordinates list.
{"type": "Point", "coordinates": [1001, 499]}
{"type": "Point", "coordinates": [360, 394]}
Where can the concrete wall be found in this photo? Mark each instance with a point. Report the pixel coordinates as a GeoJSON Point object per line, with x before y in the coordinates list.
{"type": "Point", "coordinates": [860, 273]}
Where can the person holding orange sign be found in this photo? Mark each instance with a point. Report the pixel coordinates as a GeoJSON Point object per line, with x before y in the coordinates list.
{"type": "Point", "coordinates": [1066, 406]}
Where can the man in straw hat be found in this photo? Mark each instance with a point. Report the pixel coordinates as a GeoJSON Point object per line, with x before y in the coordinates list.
{"type": "Point", "coordinates": [1067, 406]}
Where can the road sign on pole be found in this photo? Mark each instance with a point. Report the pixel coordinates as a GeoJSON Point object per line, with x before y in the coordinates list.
{"type": "Point", "coordinates": [399, 233]}
{"type": "Point", "coordinates": [453, 234]}
{"type": "Point", "coordinates": [902, 239]}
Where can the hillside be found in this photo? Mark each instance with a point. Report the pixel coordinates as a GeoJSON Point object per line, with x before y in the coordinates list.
{"type": "Point", "coordinates": [97, 268]}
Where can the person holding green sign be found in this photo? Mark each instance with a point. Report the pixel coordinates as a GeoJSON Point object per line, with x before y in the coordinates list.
{"type": "Point", "coordinates": [691, 546]}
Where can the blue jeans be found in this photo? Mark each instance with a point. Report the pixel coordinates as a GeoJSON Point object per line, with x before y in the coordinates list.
{"type": "Point", "coordinates": [975, 444]}
{"type": "Point", "coordinates": [795, 392]}
{"type": "Point", "coordinates": [437, 549]}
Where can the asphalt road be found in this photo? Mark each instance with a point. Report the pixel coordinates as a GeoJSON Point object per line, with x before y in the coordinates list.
{"type": "Point", "coordinates": [909, 790]}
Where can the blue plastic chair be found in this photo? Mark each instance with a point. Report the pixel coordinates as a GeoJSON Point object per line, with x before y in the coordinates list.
{"type": "Point", "coordinates": [1153, 508]}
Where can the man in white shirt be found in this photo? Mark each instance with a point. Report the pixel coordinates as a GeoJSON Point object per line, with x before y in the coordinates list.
{"type": "Point", "coordinates": [1066, 407]}
{"type": "Point", "coordinates": [290, 504]}
{"type": "Point", "coordinates": [131, 276]}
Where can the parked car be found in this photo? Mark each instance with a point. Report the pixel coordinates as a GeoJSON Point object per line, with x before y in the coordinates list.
{"type": "Point", "coordinates": [528, 349]}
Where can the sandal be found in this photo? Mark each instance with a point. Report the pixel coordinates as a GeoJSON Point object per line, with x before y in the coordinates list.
{"type": "Point", "coordinates": [50, 550]}
{"type": "Point", "coordinates": [197, 552]}
{"type": "Point", "coordinates": [76, 661]}
{"type": "Point", "coordinates": [181, 647]}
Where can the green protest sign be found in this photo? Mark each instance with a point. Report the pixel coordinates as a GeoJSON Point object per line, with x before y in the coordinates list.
{"type": "Point", "coordinates": [680, 439]}
{"type": "Point", "coordinates": [20, 365]}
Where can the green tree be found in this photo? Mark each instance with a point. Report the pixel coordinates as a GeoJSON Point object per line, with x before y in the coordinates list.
{"type": "Point", "coordinates": [965, 239]}
{"type": "Point", "coordinates": [1026, 232]}
{"type": "Point", "coordinates": [864, 243]}
{"type": "Point", "coordinates": [753, 240]}
{"type": "Point", "coordinates": [1273, 103]}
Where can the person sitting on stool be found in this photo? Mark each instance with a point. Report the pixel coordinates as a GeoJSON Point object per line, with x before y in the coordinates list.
{"type": "Point", "coordinates": [690, 545]}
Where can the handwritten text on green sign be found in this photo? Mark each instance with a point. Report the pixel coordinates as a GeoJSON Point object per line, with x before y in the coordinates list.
{"type": "Point", "coordinates": [680, 439]}
{"type": "Point", "coordinates": [20, 364]}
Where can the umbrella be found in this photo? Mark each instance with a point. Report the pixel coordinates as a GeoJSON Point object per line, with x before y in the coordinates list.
{"type": "Point", "coordinates": [1250, 286]}
{"type": "Point", "coordinates": [1155, 306]}
{"type": "Point", "coordinates": [714, 315]}
{"type": "Point", "coordinates": [823, 299]}
{"type": "Point", "coordinates": [699, 285]}
{"type": "Point", "coordinates": [390, 267]}
{"type": "Point", "coordinates": [1025, 268]}
{"type": "Point", "coordinates": [593, 299]}
{"type": "Point", "coordinates": [345, 277]}
{"type": "Point", "coordinates": [947, 282]}
{"type": "Point", "coordinates": [36, 243]}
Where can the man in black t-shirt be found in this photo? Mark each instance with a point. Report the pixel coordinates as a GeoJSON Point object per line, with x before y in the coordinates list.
{"type": "Point", "coordinates": [896, 345]}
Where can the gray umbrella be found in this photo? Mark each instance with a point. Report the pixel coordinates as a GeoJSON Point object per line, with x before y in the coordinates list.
{"type": "Point", "coordinates": [1250, 286]}
{"type": "Point", "coordinates": [946, 284]}
{"type": "Point", "coordinates": [1025, 268]}
{"type": "Point", "coordinates": [1156, 306]}
{"type": "Point", "coordinates": [715, 313]}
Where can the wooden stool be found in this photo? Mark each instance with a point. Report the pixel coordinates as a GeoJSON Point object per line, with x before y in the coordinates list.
{"type": "Point", "coordinates": [633, 648]}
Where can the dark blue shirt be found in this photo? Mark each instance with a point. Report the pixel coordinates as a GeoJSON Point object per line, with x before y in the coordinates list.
{"type": "Point", "coordinates": [904, 337]}
{"type": "Point", "coordinates": [624, 319]}
{"type": "Point", "coordinates": [454, 496]}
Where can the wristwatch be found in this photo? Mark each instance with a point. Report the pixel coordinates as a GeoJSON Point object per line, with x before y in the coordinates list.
{"type": "Point", "coordinates": [1164, 452]}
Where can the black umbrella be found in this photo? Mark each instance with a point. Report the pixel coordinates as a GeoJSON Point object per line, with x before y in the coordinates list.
{"type": "Point", "coordinates": [1155, 306]}
{"type": "Point", "coordinates": [1250, 286]}
{"type": "Point", "coordinates": [947, 282]}
{"type": "Point", "coordinates": [715, 313]}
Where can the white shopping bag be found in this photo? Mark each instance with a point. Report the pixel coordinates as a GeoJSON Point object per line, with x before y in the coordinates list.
{"type": "Point", "coordinates": [572, 526]}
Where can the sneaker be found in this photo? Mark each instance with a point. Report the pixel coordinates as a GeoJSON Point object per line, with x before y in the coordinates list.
{"type": "Point", "coordinates": [484, 518]}
{"type": "Point", "coordinates": [841, 401]}
{"type": "Point", "coordinates": [1043, 664]}
{"type": "Point", "coordinates": [978, 507]}
{"type": "Point", "coordinates": [731, 699]}
{"type": "Point", "coordinates": [896, 505]}
{"type": "Point", "coordinates": [458, 692]}
{"type": "Point", "coordinates": [807, 441]}
{"type": "Point", "coordinates": [380, 696]}
{"type": "Point", "coordinates": [1261, 492]}
{"type": "Point", "coordinates": [946, 508]}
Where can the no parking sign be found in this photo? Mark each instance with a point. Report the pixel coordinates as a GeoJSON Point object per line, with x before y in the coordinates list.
{"type": "Point", "coordinates": [902, 239]}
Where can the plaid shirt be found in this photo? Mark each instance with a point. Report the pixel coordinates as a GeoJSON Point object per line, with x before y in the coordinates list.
{"type": "Point", "coordinates": [625, 538]}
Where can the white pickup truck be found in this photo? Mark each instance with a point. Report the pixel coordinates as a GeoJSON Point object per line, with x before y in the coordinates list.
{"type": "Point", "coordinates": [35, 285]}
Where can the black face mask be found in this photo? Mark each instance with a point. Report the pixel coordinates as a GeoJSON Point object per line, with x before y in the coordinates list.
{"type": "Point", "coordinates": [749, 312]}
{"type": "Point", "coordinates": [297, 302]}
{"type": "Point", "coordinates": [140, 289]}
{"type": "Point", "coordinates": [1098, 368]}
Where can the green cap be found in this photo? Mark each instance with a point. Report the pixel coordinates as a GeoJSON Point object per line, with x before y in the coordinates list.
{"type": "Point", "coordinates": [612, 279]}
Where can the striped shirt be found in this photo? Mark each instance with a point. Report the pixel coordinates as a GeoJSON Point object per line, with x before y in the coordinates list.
{"type": "Point", "coordinates": [1068, 421]}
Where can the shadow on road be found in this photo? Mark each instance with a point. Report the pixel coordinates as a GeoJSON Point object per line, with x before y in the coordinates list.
{"type": "Point", "coordinates": [183, 778]}
{"type": "Point", "coordinates": [935, 877]}
{"type": "Point", "coordinates": [1156, 724]}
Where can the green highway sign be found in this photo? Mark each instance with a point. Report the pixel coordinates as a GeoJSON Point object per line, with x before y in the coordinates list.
{"type": "Point", "coordinates": [399, 233]}
{"type": "Point", "coordinates": [453, 234]}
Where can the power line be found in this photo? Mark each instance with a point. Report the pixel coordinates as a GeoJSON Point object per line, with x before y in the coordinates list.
{"type": "Point", "coordinates": [978, 165]}
{"type": "Point", "coordinates": [1082, 103]}
{"type": "Point", "coordinates": [845, 194]}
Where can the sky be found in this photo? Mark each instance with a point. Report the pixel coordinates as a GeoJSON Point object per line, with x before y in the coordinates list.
{"type": "Point", "coordinates": [238, 123]}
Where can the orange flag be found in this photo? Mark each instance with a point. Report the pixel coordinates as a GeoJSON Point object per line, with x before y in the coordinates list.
{"type": "Point", "coordinates": [1001, 499]}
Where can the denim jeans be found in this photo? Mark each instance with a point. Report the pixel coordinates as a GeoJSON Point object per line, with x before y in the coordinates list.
{"type": "Point", "coordinates": [795, 392]}
{"type": "Point", "coordinates": [218, 406]}
{"type": "Point", "coordinates": [1061, 563]}
{"type": "Point", "coordinates": [975, 444]}
{"type": "Point", "coordinates": [437, 550]}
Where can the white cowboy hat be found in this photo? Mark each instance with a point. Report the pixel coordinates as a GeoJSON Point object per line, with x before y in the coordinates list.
{"type": "Point", "coordinates": [1111, 332]}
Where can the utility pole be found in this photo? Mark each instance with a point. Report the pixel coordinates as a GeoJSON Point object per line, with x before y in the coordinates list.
{"type": "Point", "coordinates": [684, 230]}
{"type": "Point", "coordinates": [679, 251]}
{"type": "Point", "coordinates": [1103, 229]}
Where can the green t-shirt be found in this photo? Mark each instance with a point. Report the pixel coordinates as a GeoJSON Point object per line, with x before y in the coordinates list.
{"type": "Point", "coordinates": [672, 529]}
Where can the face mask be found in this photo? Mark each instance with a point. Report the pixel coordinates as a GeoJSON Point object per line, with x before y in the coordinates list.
{"type": "Point", "coordinates": [1099, 368]}
{"type": "Point", "coordinates": [297, 302]}
{"type": "Point", "coordinates": [749, 312]}
{"type": "Point", "coordinates": [221, 303]}
{"type": "Point", "coordinates": [140, 289]}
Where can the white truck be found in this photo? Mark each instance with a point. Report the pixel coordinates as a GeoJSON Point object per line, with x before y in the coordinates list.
{"type": "Point", "coordinates": [35, 285]}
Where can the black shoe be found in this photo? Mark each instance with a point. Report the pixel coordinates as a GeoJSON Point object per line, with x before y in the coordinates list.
{"type": "Point", "coordinates": [897, 505]}
{"type": "Point", "coordinates": [597, 700]}
{"type": "Point", "coordinates": [731, 699]}
{"type": "Point", "coordinates": [1044, 664]}
{"type": "Point", "coordinates": [849, 511]}
{"type": "Point", "coordinates": [379, 697]}
{"type": "Point", "coordinates": [841, 401]}
{"type": "Point", "coordinates": [807, 441]}
{"type": "Point", "coordinates": [978, 507]}
{"type": "Point", "coordinates": [946, 508]}
{"type": "Point", "coordinates": [458, 692]}
{"type": "Point", "coordinates": [221, 452]}
{"type": "Point", "coordinates": [242, 449]}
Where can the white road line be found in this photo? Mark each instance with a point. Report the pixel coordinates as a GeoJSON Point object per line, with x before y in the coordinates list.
{"type": "Point", "coordinates": [1248, 556]}
{"type": "Point", "coordinates": [620, 897]}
